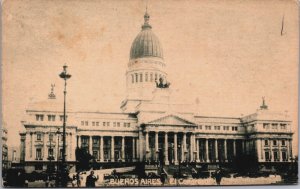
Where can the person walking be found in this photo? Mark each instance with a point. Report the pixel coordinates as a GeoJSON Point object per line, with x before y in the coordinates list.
{"type": "Point", "coordinates": [91, 180]}
{"type": "Point", "coordinates": [218, 176]}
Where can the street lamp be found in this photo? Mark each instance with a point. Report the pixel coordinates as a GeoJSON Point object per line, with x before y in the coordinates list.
{"type": "Point", "coordinates": [65, 76]}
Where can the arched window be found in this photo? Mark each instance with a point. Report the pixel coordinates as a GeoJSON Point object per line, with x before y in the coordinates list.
{"type": "Point", "coordinates": [141, 77]}
{"type": "Point", "coordinates": [146, 77]}
{"type": "Point", "coordinates": [151, 77]}
{"type": "Point", "coordinates": [132, 78]}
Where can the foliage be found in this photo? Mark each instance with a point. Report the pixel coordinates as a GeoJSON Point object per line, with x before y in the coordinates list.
{"type": "Point", "coordinates": [83, 158]}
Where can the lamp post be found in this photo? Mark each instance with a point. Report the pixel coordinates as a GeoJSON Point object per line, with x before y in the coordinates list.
{"type": "Point", "coordinates": [58, 152]}
{"type": "Point", "coordinates": [65, 76]}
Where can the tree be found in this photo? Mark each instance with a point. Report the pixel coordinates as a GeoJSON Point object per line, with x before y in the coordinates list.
{"type": "Point", "coordinates": [83, 158]}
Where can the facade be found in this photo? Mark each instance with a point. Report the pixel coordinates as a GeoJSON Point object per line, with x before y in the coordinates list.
{"type": "Point", "coordinates": [5, 163]}
{"type": "Point", "coordinates": [150, 126]}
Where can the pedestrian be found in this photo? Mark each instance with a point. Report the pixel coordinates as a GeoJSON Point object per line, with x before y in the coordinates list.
{"type": "Point", "coordinates": [218, 176]}
{"type": "Point", "coordinates": [91, 179]}
{"type": "Point", "coordinates": [78, 179]}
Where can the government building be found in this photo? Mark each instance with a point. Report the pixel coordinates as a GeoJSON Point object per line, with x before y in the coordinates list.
{"type": "Point", "coordinates": [150, 127]}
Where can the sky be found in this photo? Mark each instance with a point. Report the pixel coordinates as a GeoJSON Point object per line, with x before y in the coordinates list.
{"type": "Point", "coordinates": [228, 54]}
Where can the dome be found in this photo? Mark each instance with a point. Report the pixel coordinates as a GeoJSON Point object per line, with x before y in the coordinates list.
{"type": "Point", "coordinates": [146, 44]}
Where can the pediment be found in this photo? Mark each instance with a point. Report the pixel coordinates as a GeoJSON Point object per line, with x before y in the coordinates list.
{"type": "Point", "coordinates": [171, 120]}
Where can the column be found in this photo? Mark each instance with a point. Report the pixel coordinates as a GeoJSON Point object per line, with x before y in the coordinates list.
{"type": "Point", "coordinates": [112, 149]}
{"type": "Point", "coordinates": [101, 149]}
{"type": "Point", "coordinates": [123, 148]}
{"type": "Point", "coordinates": [44, 146]}
{"type": "Point", "coordinates": [234, 147]}
{"type": "Point", "coordinates": [258, 149]}
{"type": "Point", "coordinates": [184, 142]}
{"type": "Point", "coordinates": [206, 150]}
{"type": "Point", "coordinates": [216, 150]}
{"type": "Point", "coordinates": [156, 146]}
{"type": "Point", "coordinates": [79, 141]}
{"type": "Point", "coordinates": [225, 150]}
{"type": "Point", "coordinates": [137, 144]}
{"type": "Point", "coordinates": [166, 149]}
{"type": "Point", "coordinates": [147, 141]}
{"type": "Point", "coordinates": [156, 142]}
{"type": "Point", "coordinates": [175, 149]}
{"type": "Point", "coordinates": [90, 145]}
{"type": "Point", "coordinates": [133, 148]}
{"type": "Point", "coordinates": [290, 148]}
{"type": "Point", "coordinates": [191, 148]}
{"type": "Point", "coordinates": [198, 151]}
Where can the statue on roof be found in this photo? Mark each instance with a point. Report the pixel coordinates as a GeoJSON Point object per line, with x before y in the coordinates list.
{"type": "Point", "coordinates": [51, 94]}
{"type": "Point", "coordinates": [263, 106]}
{"type": "Point", "coordinates": [161, 84]}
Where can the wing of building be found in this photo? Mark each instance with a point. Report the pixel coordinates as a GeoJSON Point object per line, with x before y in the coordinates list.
{"type": "Point", "coordinates": [150, 125]}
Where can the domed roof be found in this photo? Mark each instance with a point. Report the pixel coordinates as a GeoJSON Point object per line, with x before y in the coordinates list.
{"type": "Point", "coordinates": [146, 44]}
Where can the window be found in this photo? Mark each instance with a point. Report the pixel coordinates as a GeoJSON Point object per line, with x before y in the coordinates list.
{"type": "Point", "coordinates": [51, 137]}
{"type": "Point", "coordinates": [284, 158]}
{"type": "Point", "coordinates": [132, 78]}
{"type": "Point", "coordinates": [118, 124]}
{"type": "Point", "coordinates": [282, 126]}
{"type": "Point", "coordinates": [136, 77]}
{"type": "Point", "coordinates": [274, 142]}
{"type": "Point", "coordinates": [61, 118]}
{"type": "Point", "coordinates": [82, 123]}
{"type": "Point", "coordinates": [217, 127]}
{"type": "Point", "coordinates": [84, 141]}
{"type": "Point", "coordinates": [107, 123]}
{"type": "Point", "coordinates": [274, 125]}
{"type": "Point", "coordinates": [141, 77]}
{"type": "Point", "coordinates": [283, 142]}
{"type": "Point", "coordinates": [267, 156]}
{"type": "Point", "coordinates": [276, 158]}
{"type": "Point", "coordinates": [51, 117]}
{"type": "Point", "coordinates": [199, 126]}
{"type": "Point", "coordinates": [207, 127]}
{"type": "Point", "coordinates": [50, 152]}
{"type": "Point", "coordinates": [151, 77]}
{"type": "Point", "coordinates": [128, 124]}
{"type": "Point", "coordinates": [86, 123]}
{"type": "Point", "coordinates": [38, 153]}
{"type": "Point", "coordinates": [266, 126]}
{"type": "Point", "coordinates": [95, 141]}
{"type": "Point", "coordinates": [155, 76]}
{"type": "Point", "coordinates": [38, 136]}
{"type": "Point", "coordinates": [39, 117]}
{"type": "Point", "coordinates": [226, 128]}
{"type": "Point", "coordinates": [146, 77]}
{"type": "Point", "coordinates": [93, 123]}
{"type": "Point", "coordinates": [95, 154]}
{"type": "Point", "coordinates": [234, 128]}
{"type": "Point", "coordinates": [266, 142]}
{"type": "Point", "coordinates": [114, 124]}
{"type": "Point", "coordinates": [97, 123]}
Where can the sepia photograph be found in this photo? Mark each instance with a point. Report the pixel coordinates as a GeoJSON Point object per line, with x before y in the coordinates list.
{"type": "Point", "coordinates": [136, 93]}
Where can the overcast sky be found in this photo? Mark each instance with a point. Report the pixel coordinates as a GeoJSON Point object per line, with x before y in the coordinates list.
{"type": "Point", "coordinates": [228, 54]}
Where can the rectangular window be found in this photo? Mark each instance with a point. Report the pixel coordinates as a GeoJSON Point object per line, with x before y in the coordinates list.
{"type": "Point", "coordinates": [276, 158]}
{"type": "Point", "coordinates": [136, 77]}
{"type": "Point", "coordinates": [38, 153]}
{"type": "Point", "coordinates": [266, 125]}
{"type": "Point", "coordinates": [266, 142]}
{"type": "Point", "coordinates": [283, 142]}
{"type": "Point", "coordinates": [282, 126]}
{"type": "Point", "coordinates": [95, 154]}
{"type": "Point", "coordinates": [93, 123]}
{"type": "Point", "coordinates": [38, 136]}
{"type": "Point", "coordinates": [207, 127]}
{"type": "Point", "coordinates": [274, 142]}
{"type": "Point", "coordinates": [267, 156]}
{"type": "Point", "coordinates": [151, 77]}
{"type": "Point", "coordinates": [97, 123]}
{"type": "Point", "coordinates": [51, 137]}
{"type": "Point", "coordinates": [104, 123]}
{"type": "Point", "coordinates": [86, 123]}
{"type": "Point", "coordinates": [114, 124]}
{"type": "Point", "coordinates": [200, 127]}
{"type": "Point", "coordinates": [39, 117]}
{"type": "Point", "coordinates": [61, 118]}
{"type": "Point", "coordinates": [49, 117]}
{"type": "Point", "coordinates": [128, 124]}
{"type": "Point", "coordinates": [107, 124]}
{"type": "Point", "coordinates": [118, 124]}
{"type": "Point", "coordinates": [82, 123]}
{"type": "Point", "coordinates": [50, 152]}
{"type": "Point", "coordinates": [146, 77]}
{"type": "Point", "coordinates": [284, 156]}
{"type": "Point", "coordinates": [274, 125]}
{"type": "Point", "coordinates": [141, 77]}
{"type": "Point", "coordinates": [124, 124]}
{"type": "Point", "coordinates": [95, 141]}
